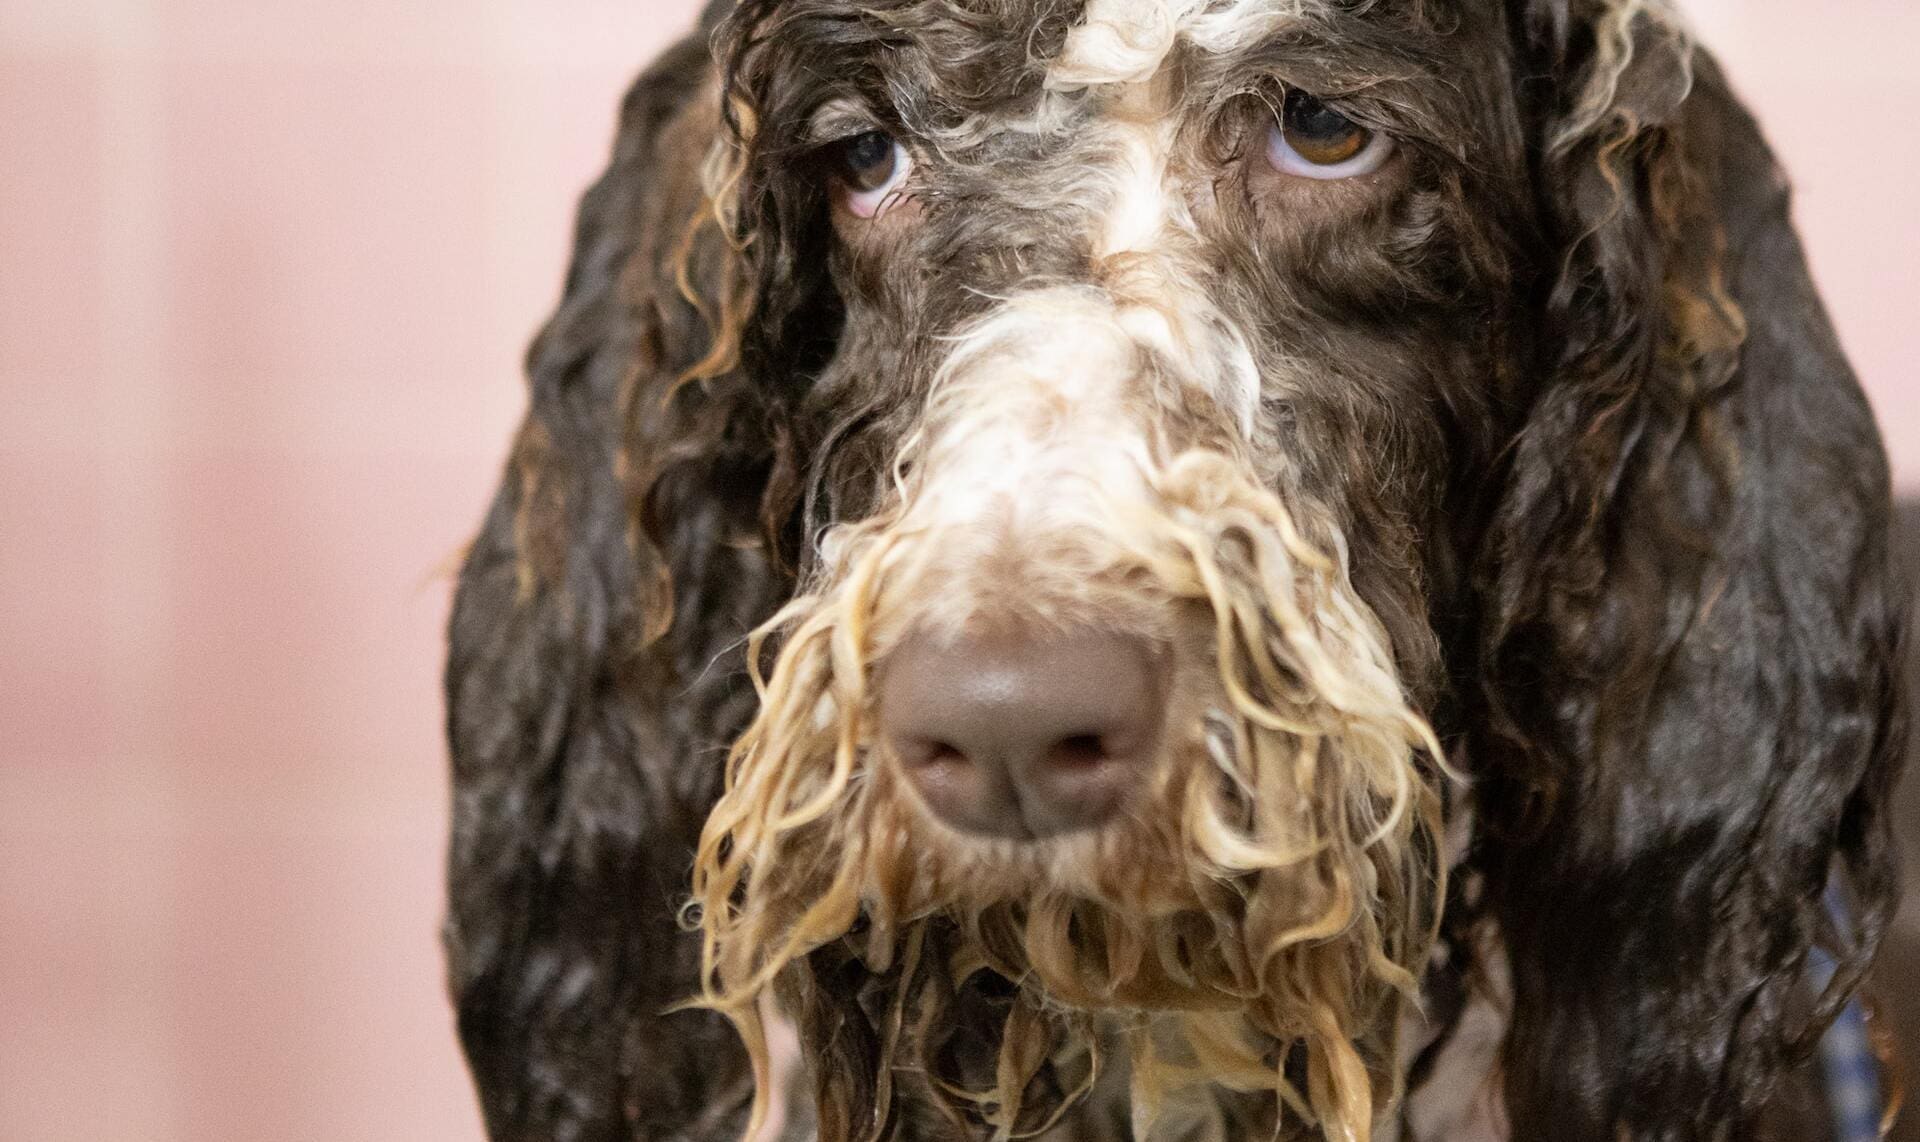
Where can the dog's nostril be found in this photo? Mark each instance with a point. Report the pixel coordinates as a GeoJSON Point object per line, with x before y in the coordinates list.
{"type": "Point", "coordinates": [1078, 751]}
{"type": "Point", "coordinates": [1023, 736]}
{"type": "Point", "coordinates": [932, 753]}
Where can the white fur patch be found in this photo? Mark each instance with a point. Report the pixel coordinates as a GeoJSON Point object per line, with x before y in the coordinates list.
{"type": "Point", "coordinates": [1145, 196]}
{"type": "Point", "coordinates": [1144, 226]}
{"type": "Point", "coordinates": [1128, 41]}
{"type": "Point", "coordinates": [1053, 391]}
{"type": "Point", "coordinates": [1119, 41]}
{"type": "Point", "coordinates": [1036, 395]}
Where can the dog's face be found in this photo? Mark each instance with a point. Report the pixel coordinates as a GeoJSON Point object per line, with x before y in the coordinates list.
{"type": "Point", "coordinates": [1168, 321]}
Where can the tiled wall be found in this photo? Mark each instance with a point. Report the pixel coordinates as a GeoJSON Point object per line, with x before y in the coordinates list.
{"type": "Point", "coordinates": [266, 269]}
{"type": "Point", "coordinates": [1832, 84]}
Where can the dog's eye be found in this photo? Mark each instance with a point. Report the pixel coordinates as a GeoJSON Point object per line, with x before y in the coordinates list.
{"type": "Point", "coordinates": [871, 166]}
{"type": "Point", "coordinates": [1313, 140]}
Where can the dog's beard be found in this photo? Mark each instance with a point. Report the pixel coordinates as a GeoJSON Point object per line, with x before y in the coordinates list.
{"type": "Point", "coordinates": [1256, 919]}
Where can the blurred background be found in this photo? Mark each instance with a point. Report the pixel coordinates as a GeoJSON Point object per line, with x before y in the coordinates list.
{"type": "Point", "coordinates": [266, 271]}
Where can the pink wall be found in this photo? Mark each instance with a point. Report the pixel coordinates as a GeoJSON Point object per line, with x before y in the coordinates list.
{"type": "Point", "coordinates": [266, 270]}
{"type": "Point", "coordinates": [265, 273]}
{"type": "Point", "coordinates": [1832, 84]}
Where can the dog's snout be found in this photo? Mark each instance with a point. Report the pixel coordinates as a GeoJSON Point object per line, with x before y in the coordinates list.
{"type": "Point", "coordinates": [1025, 734]}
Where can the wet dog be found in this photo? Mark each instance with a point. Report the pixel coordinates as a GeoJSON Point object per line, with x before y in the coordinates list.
{"type": "Point", "coordinates": [1139, 549]}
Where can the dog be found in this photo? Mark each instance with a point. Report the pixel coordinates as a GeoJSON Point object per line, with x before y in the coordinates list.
{"type": "Point", "coordinates": [1120, 568]}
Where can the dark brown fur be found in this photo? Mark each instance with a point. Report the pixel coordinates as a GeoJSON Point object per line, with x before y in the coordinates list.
{"type": "Point", "coordinates": [1607, 479]}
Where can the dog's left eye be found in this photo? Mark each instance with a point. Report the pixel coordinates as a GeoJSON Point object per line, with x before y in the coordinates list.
{"type": "Point", "coordinates": [1313, 140]}
{"type": "Point", "coordinates": [872, 166]}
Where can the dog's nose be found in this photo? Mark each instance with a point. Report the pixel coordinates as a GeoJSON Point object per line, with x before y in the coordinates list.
{"type": "Point", "coordinates": [1024, 735]}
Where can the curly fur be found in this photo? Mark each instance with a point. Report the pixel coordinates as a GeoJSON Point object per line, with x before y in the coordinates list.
{"type": "Point", "coordinates": [1542, 449]}
{"type": "Point", "coordinates": [1222, 908]}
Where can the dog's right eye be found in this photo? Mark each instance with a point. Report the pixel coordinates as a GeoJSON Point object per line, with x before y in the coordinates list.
{"type": "Point", "coordinates": [871, 165]}
{"type": "Point", "coordinates": [1313, 140]}
{"type": "Point", "coordinates": [867, 161]}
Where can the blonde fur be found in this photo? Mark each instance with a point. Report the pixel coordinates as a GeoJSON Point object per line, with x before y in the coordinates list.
{"type": "Point", "coordinates": [1278, 883]}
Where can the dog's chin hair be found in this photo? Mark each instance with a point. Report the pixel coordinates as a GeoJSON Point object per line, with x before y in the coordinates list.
{"type": "Point", "coordinates": [1280, 886]}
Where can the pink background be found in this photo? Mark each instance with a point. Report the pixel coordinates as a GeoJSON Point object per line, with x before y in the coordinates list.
{"type": "Point", "coordinates": [266, 270]}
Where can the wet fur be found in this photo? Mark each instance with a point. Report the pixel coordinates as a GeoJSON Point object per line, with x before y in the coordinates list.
{"type": "Point", "coordinates": [1629, 554]}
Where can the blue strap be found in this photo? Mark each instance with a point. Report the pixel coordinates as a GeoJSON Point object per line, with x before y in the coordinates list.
{"type": "Point", "coordinates": [1847, 1060]}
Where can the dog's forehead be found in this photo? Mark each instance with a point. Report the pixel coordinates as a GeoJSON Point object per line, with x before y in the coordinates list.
{"type": "Point", "coordinates": [1129, 41]}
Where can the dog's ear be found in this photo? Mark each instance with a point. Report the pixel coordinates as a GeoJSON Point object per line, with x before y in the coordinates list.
{"type": "Point", "coordinates": [1690, 711]}
{"type": "Point", "coordinates": [594, 679]}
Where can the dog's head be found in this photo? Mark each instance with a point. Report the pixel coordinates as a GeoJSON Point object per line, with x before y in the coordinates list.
{"type": "Point", "coordinates": [1156, 322]}
{"type": "Point", "coordinates": [1181, 415]}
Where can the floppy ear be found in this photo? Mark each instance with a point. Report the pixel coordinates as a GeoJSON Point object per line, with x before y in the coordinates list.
{"type": "Point", "coordinates": [594, 680]}
{"type": "Point", "coordinates": [1691, 715]}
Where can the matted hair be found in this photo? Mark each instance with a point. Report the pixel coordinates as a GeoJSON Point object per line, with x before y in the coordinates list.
{"type": "Point", "coordinates": [1282, 887]}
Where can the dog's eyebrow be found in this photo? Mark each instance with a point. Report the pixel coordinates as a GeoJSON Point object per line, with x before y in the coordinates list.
{"type": "Point", "coordinates": [839, 118]}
